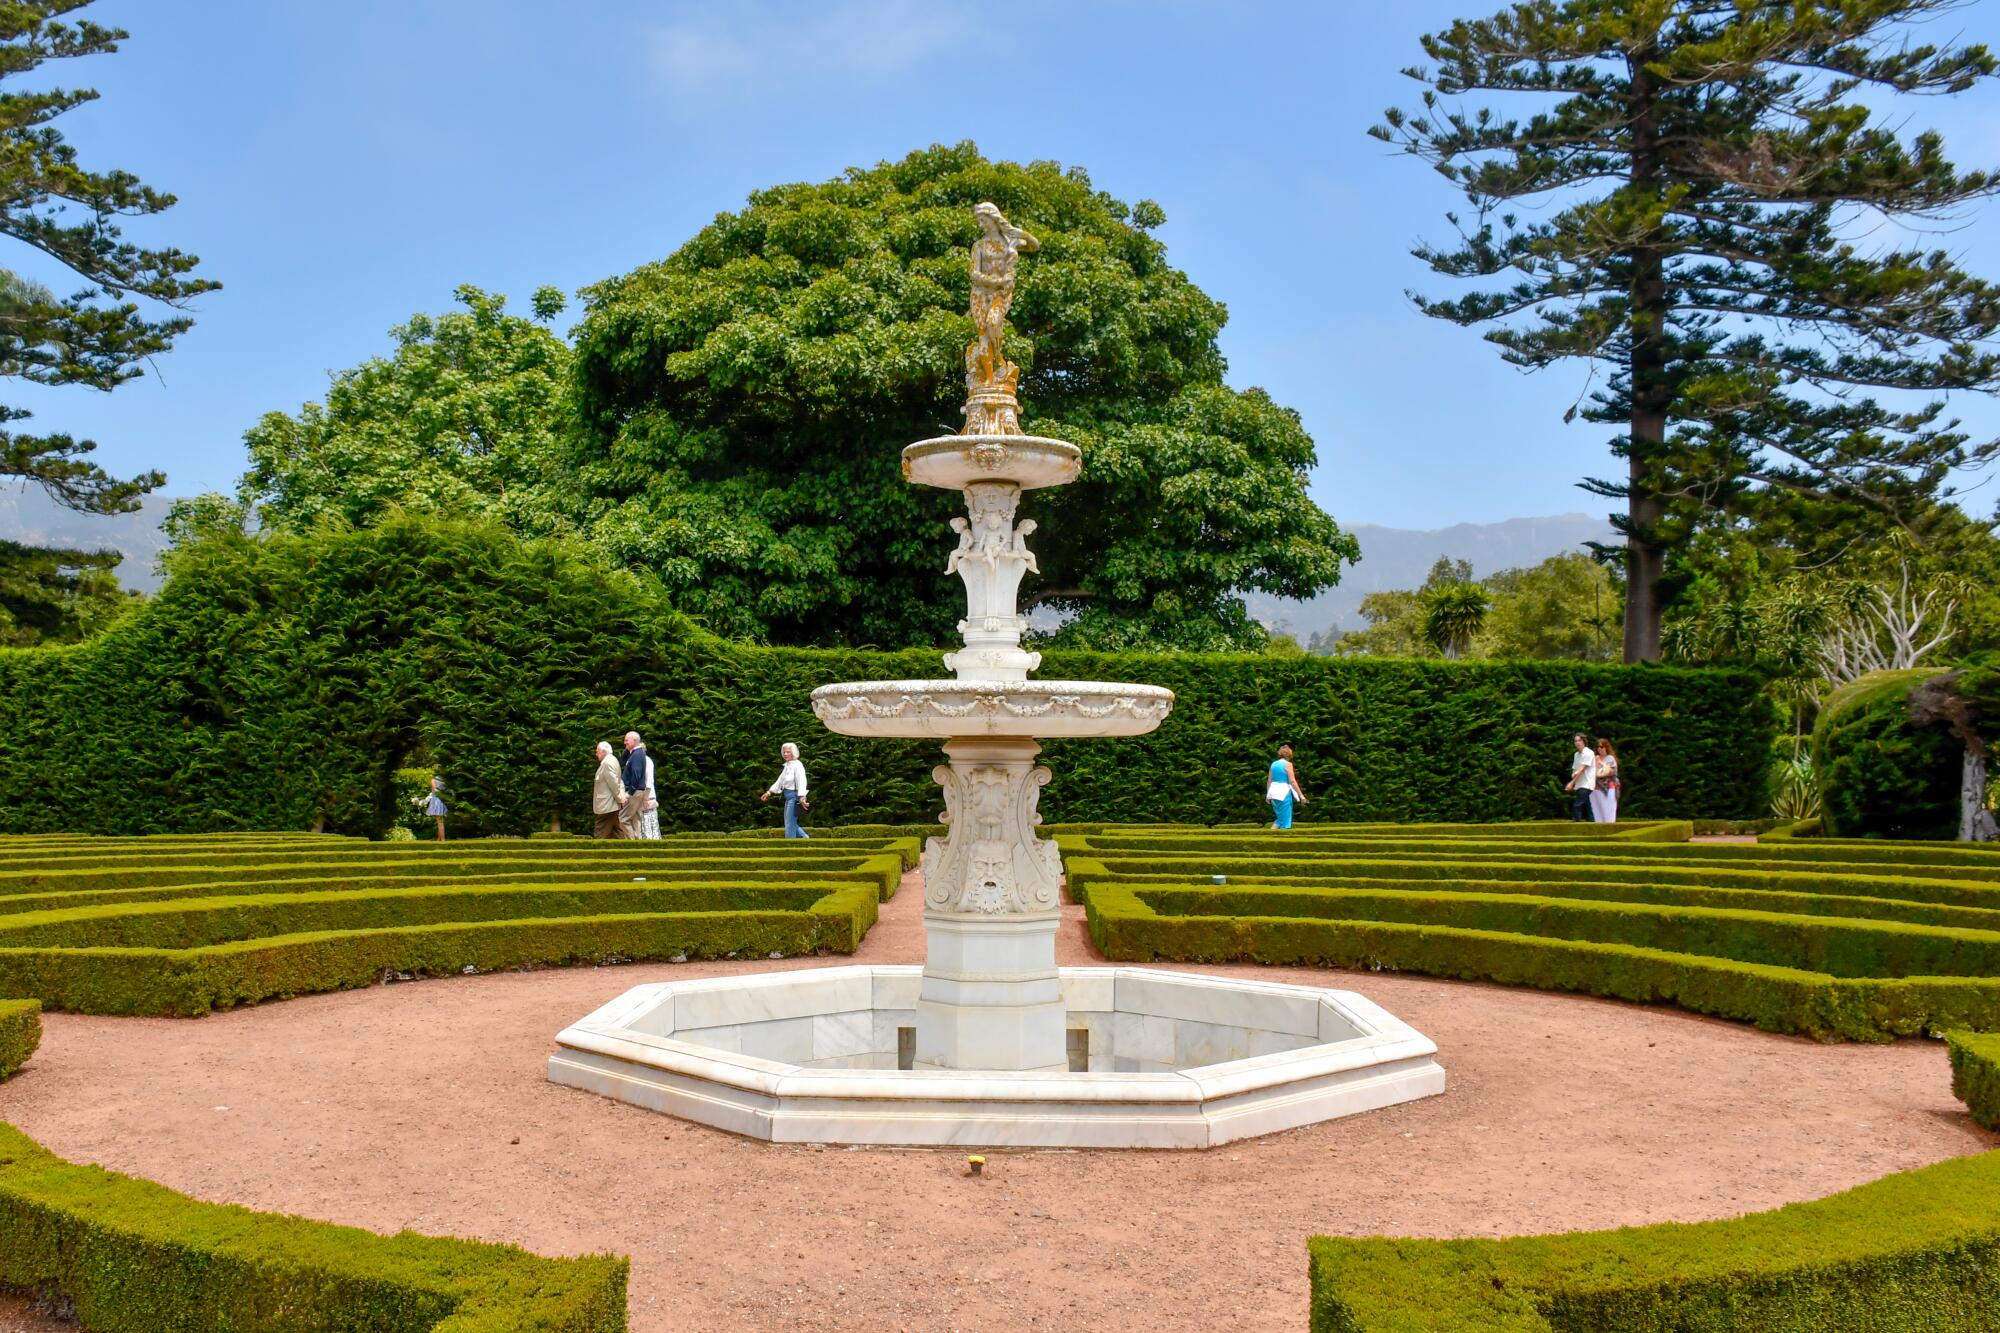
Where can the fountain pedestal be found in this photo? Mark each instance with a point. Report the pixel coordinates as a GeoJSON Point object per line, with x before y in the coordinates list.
{"type": "Point", "coordinates": [991, 997]}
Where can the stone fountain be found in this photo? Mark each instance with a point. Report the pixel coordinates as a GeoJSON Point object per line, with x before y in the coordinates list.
{"type": "Point", "coordinates": [990, 1043]}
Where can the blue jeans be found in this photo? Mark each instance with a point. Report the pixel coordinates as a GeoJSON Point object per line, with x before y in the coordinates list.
{"type": "Point", "coordinates": [792, 829]}
{"type": "Point", "coordinates": [1281, 812]}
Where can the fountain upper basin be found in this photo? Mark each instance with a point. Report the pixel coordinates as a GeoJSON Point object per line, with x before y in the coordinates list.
{"type": "Point", "coordinates": [956, 461]}
{"type": "Point", "coordinates": [969, 708]}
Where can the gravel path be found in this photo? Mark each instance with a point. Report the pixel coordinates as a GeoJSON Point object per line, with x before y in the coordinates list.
{"type": "Point", "coordinates": [424, 1106]}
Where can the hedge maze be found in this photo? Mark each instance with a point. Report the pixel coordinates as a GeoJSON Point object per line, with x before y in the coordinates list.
{"type": "Point", "coordinates": [1829, 938]}
{"type": "Point", "coordinates": [187, 924]}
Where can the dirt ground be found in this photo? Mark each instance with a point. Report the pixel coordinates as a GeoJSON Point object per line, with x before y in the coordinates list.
{"type": "Point", "coordinates": [424, 1106]}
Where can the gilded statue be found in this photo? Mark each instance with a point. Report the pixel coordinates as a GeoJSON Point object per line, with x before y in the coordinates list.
{"type": "Point", "coordinates": [990, 378]}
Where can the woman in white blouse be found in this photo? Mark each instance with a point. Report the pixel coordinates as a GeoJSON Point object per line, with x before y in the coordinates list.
{"type": "Point", "coordinates": [791, 784]}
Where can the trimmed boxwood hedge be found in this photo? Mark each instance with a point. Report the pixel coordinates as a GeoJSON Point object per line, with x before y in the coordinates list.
{"type": "Point", "coordinates": [191, 982]}
{"type": "Point", "coordinates": [881, 869]}
{"type": "Point", "coordinates": [134, 1257]}
{"type": "Point", "coordinates": [1771, 935]}
{"type": "Point", "coordinates": [1918, 1251]}
{"type": "Point", "coordinates": [1975, 1074]}
{"type": "Point", "coordinates": [1775, 998]}
{"type": "Point", "coordinates": [20, 1033]}
{"type": "Point", "coordinates": [119, 928]}
{"type": "Point", "coordinates": [282, 681]}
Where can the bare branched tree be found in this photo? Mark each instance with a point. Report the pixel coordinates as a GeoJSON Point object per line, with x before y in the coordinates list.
{"type": "Point", "coordinates": [1887, 627]}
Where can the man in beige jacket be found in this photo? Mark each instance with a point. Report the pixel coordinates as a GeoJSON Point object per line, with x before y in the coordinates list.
{"type": "Point", "coordinates": [607, 795]}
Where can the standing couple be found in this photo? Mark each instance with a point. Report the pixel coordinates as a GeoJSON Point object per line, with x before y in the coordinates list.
{"type": "Point", "coordinates": [1593, 781]}
{"type": "Point", "coordinates": [622, 798]}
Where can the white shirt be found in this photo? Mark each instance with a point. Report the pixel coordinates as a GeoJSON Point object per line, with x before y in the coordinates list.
{"type": "Point", "coordinates": [1583, 768]}
{"type": "Point", "coordinates": [791, 778]}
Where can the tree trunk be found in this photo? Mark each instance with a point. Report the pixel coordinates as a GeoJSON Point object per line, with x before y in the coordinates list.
{"type": "Point", "coordinates": [1650, 393]}
{"type": "Point", "coordinates": [1975, 821]}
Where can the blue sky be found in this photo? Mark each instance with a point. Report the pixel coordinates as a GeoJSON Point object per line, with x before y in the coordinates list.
{"type": "Point", "coordinates": [343, 166]}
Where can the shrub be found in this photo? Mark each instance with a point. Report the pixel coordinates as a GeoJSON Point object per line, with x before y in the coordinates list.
{"type": "Point", "coordinates": [1919, 1250]}
{"type": "Point", "coordinates": [1975, 1075]}
{"type": "Point", "coordinates": [136, 1258]}
{"type": "Point", "coordinates": [20, 1033]}
{"type": "Point", "coordinates": [412, 792]}
{"type": "Point", "coordinates": [1880, 774]}
{"type": "Point", "coordinates": [281, 682]}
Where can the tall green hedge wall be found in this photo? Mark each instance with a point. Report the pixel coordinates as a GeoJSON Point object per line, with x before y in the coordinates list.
{"type": "Point", "coordinates": [279, 681]}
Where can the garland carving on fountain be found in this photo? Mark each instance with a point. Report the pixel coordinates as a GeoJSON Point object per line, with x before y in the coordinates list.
{"type": "Point", "coordinates": [991, 380]}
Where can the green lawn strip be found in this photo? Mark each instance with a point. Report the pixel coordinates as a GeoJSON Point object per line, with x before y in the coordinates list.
{"type": "Point", "coordinates": [190, 923]}
{"type": "Point", "coordinates": [1837, 946]}
{"type": "Point", "coordinates": [1917, 1251]}
{"type": "Point", "coordinates": [883, 874]}
{"type": "Point", "coordinates": [134, 1257]}
{"type": "Point", "coordinates": [1909, 888]}
{"type": "Point", "coordinates": [79, 880]}
{"type": "Point", "coordinates": [1864, 859]}
{"type": "Point", "coordinates": [191, 982]}
{"type": "Point", "coordinates": [1534, 828]}
{"type": "Point", "coordinates": [1975, 1074]}
{"type": "Point", "coordinates": [429, 853]}
{"type": "Point", "coordinates": [20, 1033]}
{"type": "Point", "coordinates": [818, 832]}
{"type": "Point", "coordinates": [112, 854]}
{"type": "Point", "coordinates": [1756, 900]}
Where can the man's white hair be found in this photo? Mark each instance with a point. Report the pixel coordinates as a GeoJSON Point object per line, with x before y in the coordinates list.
{"type": "Point", "coordinates": [603, 748]}
{"type": "Point", "coordinates": [632, 738]}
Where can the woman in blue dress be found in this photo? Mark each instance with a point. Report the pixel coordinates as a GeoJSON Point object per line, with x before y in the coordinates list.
{"type": "Point", "coordinates": [435, 807]}
{"type": "Point", "coordinates": [1283, 790]}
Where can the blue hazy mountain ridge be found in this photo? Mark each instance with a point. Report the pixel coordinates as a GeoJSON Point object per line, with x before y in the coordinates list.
{"type": "Point", "coordinates": [1390, 557]}
{"type": "Point", "coordinates": [1400, 558]}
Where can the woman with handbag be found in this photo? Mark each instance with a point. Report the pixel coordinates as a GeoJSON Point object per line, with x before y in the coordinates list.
{"type": "Point", "coordinates": [1282, 789]}
{"type": "Point", "coordinates": [1604, 797]}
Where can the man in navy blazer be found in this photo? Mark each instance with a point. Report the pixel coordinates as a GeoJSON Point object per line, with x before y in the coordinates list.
{"type": "Point", "coordinates": [638, 785]}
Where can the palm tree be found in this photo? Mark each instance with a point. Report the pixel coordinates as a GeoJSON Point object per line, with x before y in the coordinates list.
{"type": "Point", "coordinates": [1452, 615]}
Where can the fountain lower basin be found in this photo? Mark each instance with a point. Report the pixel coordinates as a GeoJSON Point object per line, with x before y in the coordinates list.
{"type": "Point", "coordinates": [965, 708]}
{"type": "Point", "coordinates": [1158, 1059]}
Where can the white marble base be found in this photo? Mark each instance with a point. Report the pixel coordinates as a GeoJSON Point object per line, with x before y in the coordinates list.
{"type": "Point", "coordinates": [991, 997]}
{"type": "Point", "coordinates": [1174, 1060]}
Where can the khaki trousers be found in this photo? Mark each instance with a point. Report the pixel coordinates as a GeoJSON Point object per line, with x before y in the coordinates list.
{"type": "Point", "coordinates": [607, 826]}
{"type": "Point", "coordinates": [634, 811]}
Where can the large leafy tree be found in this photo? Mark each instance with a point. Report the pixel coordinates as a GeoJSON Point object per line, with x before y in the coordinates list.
{"type": "Point", "coordinates": [462, 419]}
{"type": "Point", "coordinates": [97, 335]}
{"type": "Point", "coordinates": [1707, 183]}
{"type": "Point", "coordinates": [1565, 607]}
{"type": "Point", "coordinates": [744, 402]}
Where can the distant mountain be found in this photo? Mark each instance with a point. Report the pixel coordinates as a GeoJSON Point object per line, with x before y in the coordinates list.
{"type": "Point", "coordinates": [1390, 557]}
{"type": "Point", "coordinates": [1401, 557]}
{"type": "Point", "coordinates": [27, 515]}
